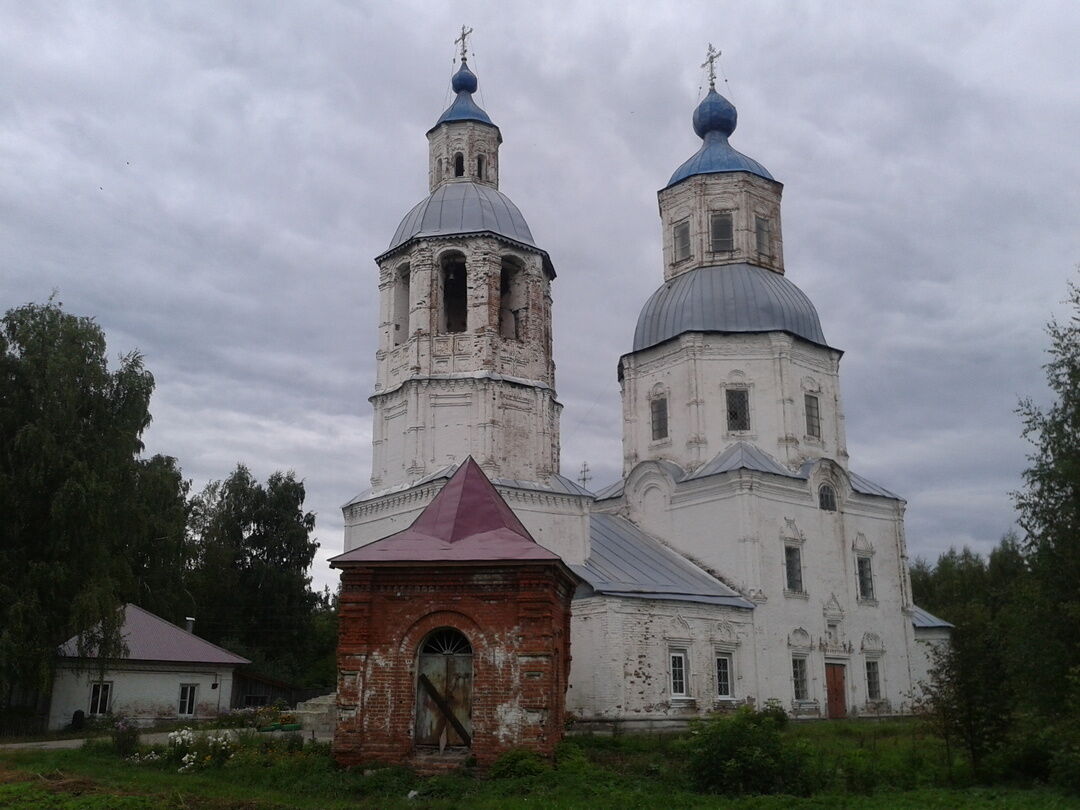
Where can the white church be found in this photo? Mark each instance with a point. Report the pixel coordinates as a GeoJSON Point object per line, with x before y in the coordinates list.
{"type": "Point", "coordinates": [739, 559]}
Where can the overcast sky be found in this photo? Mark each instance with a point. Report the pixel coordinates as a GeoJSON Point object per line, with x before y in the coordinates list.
{"type": "Point", "coordinates": [212, 180]}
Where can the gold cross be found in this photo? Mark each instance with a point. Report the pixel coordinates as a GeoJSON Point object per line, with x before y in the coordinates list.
{"type": "Point", "coordinates": [464, 36]}
{"type": "Point", "coordinates": [710, 59]}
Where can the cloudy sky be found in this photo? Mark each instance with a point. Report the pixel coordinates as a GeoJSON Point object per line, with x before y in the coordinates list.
{"type": "Point", "coordinates": [211, 182]}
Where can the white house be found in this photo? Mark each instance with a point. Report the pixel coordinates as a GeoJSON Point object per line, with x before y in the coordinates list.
{"type": "Point", "coordinates": [168, 674]}
{"type": "Point", "coordinates": [740, 558]}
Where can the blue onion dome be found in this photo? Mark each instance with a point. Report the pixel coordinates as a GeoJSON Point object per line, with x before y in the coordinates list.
{"type": "Point", "coordinates": [714, 120]}
{"type": "Point", "coordinates": [463, 107]}
{"type": "Point", "coordinates": [715, 114]}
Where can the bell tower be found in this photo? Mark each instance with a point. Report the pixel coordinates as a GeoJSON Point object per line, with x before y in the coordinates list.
{"type": "Point", "coordinates": [464, 363]}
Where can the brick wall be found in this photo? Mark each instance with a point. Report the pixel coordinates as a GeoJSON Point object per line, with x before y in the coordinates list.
{"type": "Point", "coordinates": [517, 619]}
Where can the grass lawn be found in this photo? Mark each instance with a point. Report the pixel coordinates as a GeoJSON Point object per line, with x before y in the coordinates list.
{"type": "Point", "coordinates": [591, 772]}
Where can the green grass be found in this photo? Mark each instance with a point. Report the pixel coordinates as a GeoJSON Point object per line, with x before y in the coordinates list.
{"type": "Point", "coordinates": [623, 772]}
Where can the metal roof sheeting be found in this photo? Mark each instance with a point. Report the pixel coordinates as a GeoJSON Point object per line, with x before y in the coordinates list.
{"type": "Point", "coordinates": [717, 155]}
{"type": "Point", "coordinates": [627, 562]}
{"type": "Point", "coordinates": [727, 298]}
{"type": "Point", "coordinates": [558, 484]}
{"type": "Point", "coordinates": [923, 619]}
{"type": "Point", "coordinates": [742, 456]}
{"type": "Point", "coordinates": [461, 207]}
{"type": "Point", "coordinates": [151, 638]}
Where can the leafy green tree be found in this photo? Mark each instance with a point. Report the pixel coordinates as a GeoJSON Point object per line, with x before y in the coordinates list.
{"type": "Point", "coordinates": [1049, 513]}
{"type": "Point", "coordinates": [251, 551]}
{"type": "Point", "coordinates": [70, 487]}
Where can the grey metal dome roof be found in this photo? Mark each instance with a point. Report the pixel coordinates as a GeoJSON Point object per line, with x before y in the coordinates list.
{"type": "Point", "coordinates": [462, 207]}
{"type": "Point", "coordinates": [727, 298]}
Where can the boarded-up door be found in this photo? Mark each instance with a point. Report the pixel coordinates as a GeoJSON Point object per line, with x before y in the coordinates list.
{"type": "Point", "coordinates": [836, 702]}
{"type": "Point", "coordinates": [444, 691]}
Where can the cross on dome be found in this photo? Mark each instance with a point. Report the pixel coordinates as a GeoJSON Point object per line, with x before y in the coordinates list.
{"type": "Point", "coordinates": [711, 55]}
{"type": "Point", "coordinates": [463, 39]}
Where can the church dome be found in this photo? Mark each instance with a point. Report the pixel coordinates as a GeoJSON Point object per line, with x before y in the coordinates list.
{"type": "Point", "coordinates": [714, 120]}
{"type": "Point", "coordinates": [462, 207]}
{"type": "Point", "coordinates": [463, 108]}
{"type": "Point", "coordinates": [728, 298]}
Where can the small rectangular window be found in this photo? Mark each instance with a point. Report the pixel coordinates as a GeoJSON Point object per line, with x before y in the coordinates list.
{"type": "Point", "coordinates": [738, 409]}
{"type": "Point", "coordinates": [873, 681]}
{"type": "Point", "coordinates": [658, 408]}
{"type": "Point", "coordinates": [682, 240]}
{"type": "Point", "coordinates": [798, 678]}
{"type": "Point", "coordinates": [762, 232]}
{"type": "Point", "coordinates": [187, 699]}
{"type": "Point", "coordinates": [100, 696]}
{"type": "Point", "coordinates": [723, 238]}
{"type": "Point", "coordinates": [678, 673]}
{"type": "Point", "coordinates": [793, 569]}
{"type": "Point", "coordinates": [723, 675]}
{"type": "Point", "coordinates": [813, 416]}
{"type": "Point", "coordinates": [866, 577]}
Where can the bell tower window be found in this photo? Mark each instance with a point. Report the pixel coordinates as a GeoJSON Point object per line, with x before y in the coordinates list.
{"type": "Point", "coordinates": [454, 295]}
{"type": "Point", "coordinates": [401, 305]}
{"type": "Point", "coordinates": [723, 237]}
{"type": "Point", "coordinates": [658, 412]}
{"type": "Point", "coordinates": [479, 167]}
{"type": "Point", "coordinates": [512, 307]}
{"type": "Point", "coordinates": [762, 232]}
{"type": "Point", "coordinates": [681, 238]}
{"type": "Point", "coordinates": [813, 416]}
{"type": "Point", "coordinates": [738, 409]}
{"type": "Point", "coordinates": [459, 165]}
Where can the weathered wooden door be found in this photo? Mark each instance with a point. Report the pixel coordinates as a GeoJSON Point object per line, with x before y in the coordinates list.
{"type": "Point", "coordinates": [444, 691]}
{"type": "Point", "coordinates": [836, 702]}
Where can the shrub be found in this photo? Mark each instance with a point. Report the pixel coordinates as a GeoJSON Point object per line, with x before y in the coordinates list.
{"type": "Point", "coordinates": [125, 736]}
{"type": "Point", "coordinates": [860, 771]}
{"type": "Point", "coordinates": [518, 762]}
{"type": "Point", "coordinates": [745, 752]}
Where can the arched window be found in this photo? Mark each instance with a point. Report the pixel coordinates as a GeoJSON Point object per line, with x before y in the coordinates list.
{"type": "Point", "coordinates": [438, 169]}
{"type": "Point", "coordinates": [512, 299]}
{"type": "Point", "coordinates": [455, 306]}
{"type": "Point", "coordinates": [827, 498]}
{"type": "Point", "coordinates": [444, 690]}
{"type": "Point", "coordinates": [459, 165]}
{"type": "Point", "coordinates": [479, 167]}
{"type": "Point", "coordinates": [400, 304]}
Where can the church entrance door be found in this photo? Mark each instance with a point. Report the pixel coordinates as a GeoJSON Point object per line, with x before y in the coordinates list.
{"type": "Point", "coordinates": [836, 702]}
{"type": "Point", "coordinates": [444, 691]}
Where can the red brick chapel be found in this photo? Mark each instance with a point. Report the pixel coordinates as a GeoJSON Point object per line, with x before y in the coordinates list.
{"type": "Point", "coordinates": [454, 638]}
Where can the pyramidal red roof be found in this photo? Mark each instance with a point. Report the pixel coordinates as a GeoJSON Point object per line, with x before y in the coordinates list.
{"type": "Point", "coordinates": [468, 520]}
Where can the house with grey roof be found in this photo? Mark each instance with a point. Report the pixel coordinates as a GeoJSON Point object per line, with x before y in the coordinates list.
{"type": "Point", "coordinates": [167, 673]}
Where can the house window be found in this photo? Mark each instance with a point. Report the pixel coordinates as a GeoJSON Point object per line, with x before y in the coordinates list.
{"type": "Point", "coordinates": [723, 239]}
{"type": "Point", "coordinates": [658, 412]}
{"type": "Point", "coordinates": [793, 569]}
{"type": "Point", "coordinates": [738, 409]}
{"type": "Point", "coordinates": [873, 680]}
{"type": "Point", "coordinates": [723, 675]}
{"type": "Point", "coordinates": [679, 681]}
{"type": "Point", "coordinates": [813, 416]}
{"type": "Point", "coordinates": [827, 498]}
{"type": "Point", "coordinates": [682, 240]}
{"type": "Point", "coordinates": [798, 677]}
{"type": "Point", "coordinates": [187, 699]}
{"type": "Point", "coordinates": [866, 578]}
{"type": "Point", "coordinates": [100, 697]}
{"type": "Point", "coordinates": [761, 231]}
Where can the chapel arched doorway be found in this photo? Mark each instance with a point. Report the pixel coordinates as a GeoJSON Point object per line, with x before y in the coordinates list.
{"type": "Point", "coordinates": [444, 690]}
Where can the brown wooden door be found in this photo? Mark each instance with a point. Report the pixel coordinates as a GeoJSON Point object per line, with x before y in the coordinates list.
{"type": "Point", "coordinates": [835, 692]}
{"type": "Point", "coordinates": [444, 692]}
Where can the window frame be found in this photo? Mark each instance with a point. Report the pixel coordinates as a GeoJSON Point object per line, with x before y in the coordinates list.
{"type": "Point", "coordinates": [191, 700]}
{"type": "Point", "coordinates": [865, 594]}
{"type": "Point", "coordinates": [800, 681]}
{"type": "Point", "coordinates": [813, 422]}
{"type": "Point", "coordinates": [834, 500]}
{"type": "Point", "coordinates": [681, 655]}
{"type": "Point", "coordinates": [874, 662]}
{"type": "Point", "coordinates": [714, 217]}
{"type": "Point", "coordinates": [675, 241]}
{"type": "Point", "coordinates": [729, 394]}
{"type": "Point", "coordinates": [763, 235]}
{"type": "Point", "coordinates": [729, 659]}
{"type": "Point", "coordinates": [96, 690]}
{"type": "Point", "coordinates": [793, 551]}
{"type": "Point", "coordinates": [658, 413]}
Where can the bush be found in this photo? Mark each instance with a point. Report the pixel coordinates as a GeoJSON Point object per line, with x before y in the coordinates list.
{"type": "Point", "coordinates": [519, 762]}
{"type": "Point", "coordinates": [860, 771]}
{"type": "Point", "coordinates": [745, 752]}
{"type": "Point", "coordinates": [125, 736]}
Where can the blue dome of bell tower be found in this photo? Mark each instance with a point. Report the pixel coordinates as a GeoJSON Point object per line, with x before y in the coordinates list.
{"type": "Point", "coordinates": [463, 108]}
{"type": "Point", "coordinates": [714, 120]}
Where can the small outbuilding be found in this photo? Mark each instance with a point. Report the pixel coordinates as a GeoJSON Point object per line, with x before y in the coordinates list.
{"type": "Point", "coordinates": [454, 636]}
{"type": "Point", "coordinates": [168, 674]}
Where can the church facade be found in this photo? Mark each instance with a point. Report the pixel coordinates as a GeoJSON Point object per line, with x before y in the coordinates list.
{"type": "Point", "coordinates": [739, 559]}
